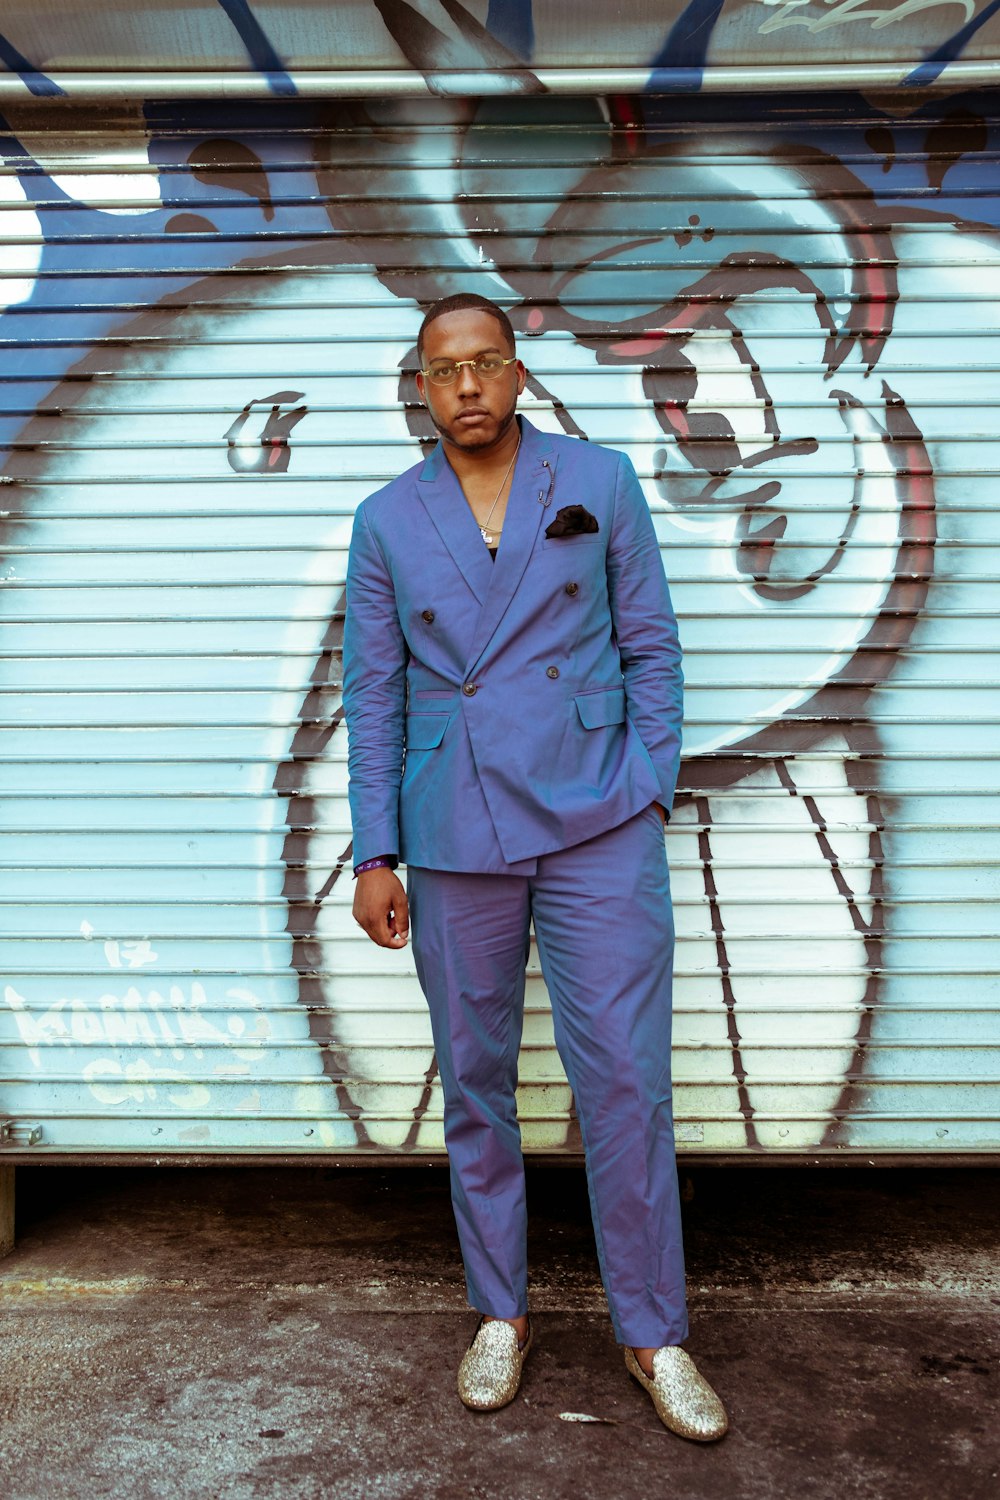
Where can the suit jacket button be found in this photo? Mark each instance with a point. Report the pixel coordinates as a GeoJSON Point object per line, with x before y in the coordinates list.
{"type": "Point", "coordinates": [571, 589]}
{"type": "Point", "coordinates": [469, 689]}
{"type": "Point", "coordinates": [428, 615]}
{"type": "Point", "coordinates": [552, 671]}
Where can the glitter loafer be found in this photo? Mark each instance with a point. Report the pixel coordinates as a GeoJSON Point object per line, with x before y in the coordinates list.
{"type": "Point", "coordinates": [684, 1400]}
{"type": "Point", "coordinates": [490, 1374]}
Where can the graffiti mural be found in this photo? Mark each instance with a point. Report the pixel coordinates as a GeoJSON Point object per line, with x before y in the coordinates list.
{"type": "Point", "coordinates": [790, 325]}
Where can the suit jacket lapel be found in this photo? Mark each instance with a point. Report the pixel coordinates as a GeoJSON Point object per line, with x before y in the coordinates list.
{"type": "Point", "coordinates": [442, 497]}
{"type": "Point", "coordinates": [529, 500]}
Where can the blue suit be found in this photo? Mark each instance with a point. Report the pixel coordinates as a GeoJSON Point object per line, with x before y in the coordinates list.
{"type": "Point", "coordinates": [510, 725]}
{"type": "Point", "coordinates": [538, 697]}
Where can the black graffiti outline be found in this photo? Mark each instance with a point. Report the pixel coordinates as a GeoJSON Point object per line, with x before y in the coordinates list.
{"type": "Point", "coordinates": [275, 436]}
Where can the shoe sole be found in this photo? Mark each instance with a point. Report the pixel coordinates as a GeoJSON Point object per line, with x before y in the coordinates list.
{"type": "Point", "coordinates": [499, 1406]}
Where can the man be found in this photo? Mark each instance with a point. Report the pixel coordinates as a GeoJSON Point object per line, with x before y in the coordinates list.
{"type": "Point", "coordinates": [512, 686]}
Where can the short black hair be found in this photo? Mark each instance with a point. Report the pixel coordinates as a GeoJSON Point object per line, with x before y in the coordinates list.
{"type": "Point", "coordinates": [458, 303]}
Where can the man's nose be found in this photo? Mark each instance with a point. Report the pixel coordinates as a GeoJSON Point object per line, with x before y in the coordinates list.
{"type": "Point", "coordinates": [468, 380]}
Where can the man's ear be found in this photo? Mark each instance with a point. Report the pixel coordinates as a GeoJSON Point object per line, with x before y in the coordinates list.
{"type": "Point", "coordinates": [420, 387]}
{"type": "Point", "coordinates": [522, 377]}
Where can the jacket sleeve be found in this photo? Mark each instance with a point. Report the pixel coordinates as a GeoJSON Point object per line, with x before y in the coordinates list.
{"type": "Point", "coordinates": [375, 658]}
{"type": "Point", "coordinates": [646, 630]}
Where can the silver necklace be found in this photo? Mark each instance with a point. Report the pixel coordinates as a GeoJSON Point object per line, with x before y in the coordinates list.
{"type": "Point", "coordinates": [484, 528]}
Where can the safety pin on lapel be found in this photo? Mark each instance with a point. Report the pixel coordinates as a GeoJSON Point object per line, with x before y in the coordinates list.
{"type": "Point", "coordinates": [544, 498]}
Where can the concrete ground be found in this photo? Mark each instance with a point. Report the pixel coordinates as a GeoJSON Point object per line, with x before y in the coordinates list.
{"type": "Point", "coordinates": [209, 1334]}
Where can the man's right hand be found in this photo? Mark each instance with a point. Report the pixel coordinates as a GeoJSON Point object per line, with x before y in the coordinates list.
{"type": "Point", "coordinates": [380, 907]}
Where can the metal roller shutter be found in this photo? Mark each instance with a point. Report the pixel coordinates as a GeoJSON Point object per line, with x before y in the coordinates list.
{"type": "Point", "coordinates": [787, 317]}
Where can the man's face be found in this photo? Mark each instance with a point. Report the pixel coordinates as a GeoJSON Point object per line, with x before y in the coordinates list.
{"type": "Point", "coordinates": [471, 414]}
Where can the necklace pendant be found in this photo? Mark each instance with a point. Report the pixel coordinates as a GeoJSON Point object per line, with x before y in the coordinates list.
{"type": "Point", "coordinates": [487, 537]}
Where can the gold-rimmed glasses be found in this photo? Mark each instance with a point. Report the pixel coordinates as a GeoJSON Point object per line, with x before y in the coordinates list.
{"type": "Point", "coordinates": [486, 366]}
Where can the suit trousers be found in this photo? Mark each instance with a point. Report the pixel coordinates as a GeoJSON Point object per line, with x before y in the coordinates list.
{"type": "Point", "coordinates": [604, 929]}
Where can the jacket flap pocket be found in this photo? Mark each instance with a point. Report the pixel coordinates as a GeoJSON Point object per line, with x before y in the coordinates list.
{"type": "Point", "coordinates": [602, 708]}
{"type": "Point", "coordinates": [425, 731]}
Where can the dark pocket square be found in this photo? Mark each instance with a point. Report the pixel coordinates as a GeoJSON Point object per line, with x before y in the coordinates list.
{"type": "Point", "coordinates": [572, 520]}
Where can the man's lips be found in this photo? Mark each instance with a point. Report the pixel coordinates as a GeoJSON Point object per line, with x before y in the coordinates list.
{"type": "Point", "coordinates": [472, 414]}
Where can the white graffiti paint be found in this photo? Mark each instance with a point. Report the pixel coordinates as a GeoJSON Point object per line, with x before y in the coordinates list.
{"type": "Point", "coordinates": [20, 242]}
{"type": "Point", "coordinates": [841, 12]}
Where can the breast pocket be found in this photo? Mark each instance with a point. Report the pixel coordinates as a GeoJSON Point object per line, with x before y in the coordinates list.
{"type": "Point", "coordinates": [425, 731]}
{"type": "Point", "coordinates": [569, 543]}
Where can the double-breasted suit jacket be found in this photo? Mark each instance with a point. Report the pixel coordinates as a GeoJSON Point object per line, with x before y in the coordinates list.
{"type": "Point", "coordinates": [500, 710]}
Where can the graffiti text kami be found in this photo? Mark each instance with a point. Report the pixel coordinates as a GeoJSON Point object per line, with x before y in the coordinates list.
{"type": "Point", "coordinates": [149, 1025]}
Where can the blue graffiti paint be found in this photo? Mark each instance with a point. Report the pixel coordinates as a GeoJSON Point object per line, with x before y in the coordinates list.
{"type": "Point", "coordinates": [901, 165]}
{"type": "Point", "coordinates": [932, 67]}
{"type": "Point", "coordinates": [259, 46]}
{"type": "Point", "coordinates": [680, 62]}
{"type": "Point", "coordinates": [38, 84]}
{"type": "Point", "coordinates": [511, 22]}
{"type": "Point", "coordinates": [80, 239]}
